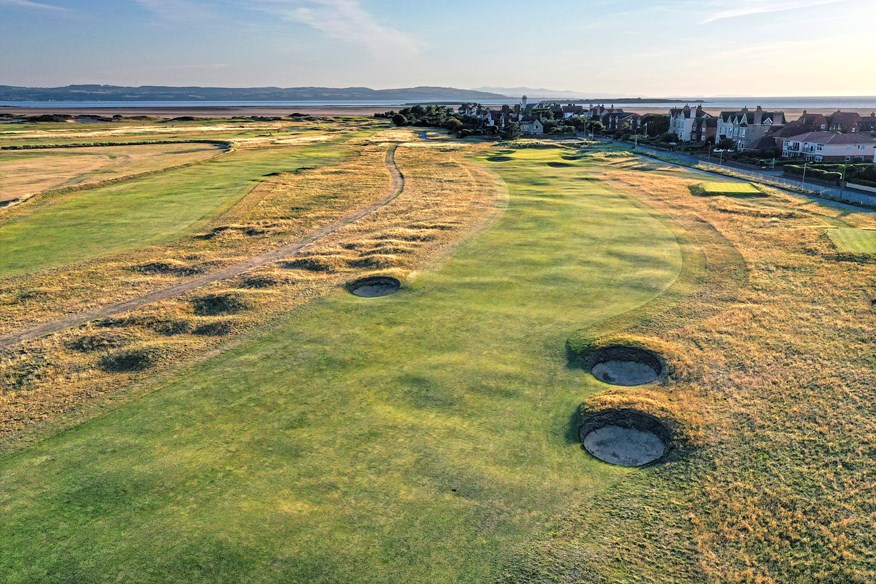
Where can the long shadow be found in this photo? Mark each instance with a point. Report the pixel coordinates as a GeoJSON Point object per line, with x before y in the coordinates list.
{"type": "Point", "coordinates": [572, 428]}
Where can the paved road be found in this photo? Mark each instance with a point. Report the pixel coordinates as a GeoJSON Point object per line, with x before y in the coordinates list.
{"type": "Point", "coordinates": [290, 250]}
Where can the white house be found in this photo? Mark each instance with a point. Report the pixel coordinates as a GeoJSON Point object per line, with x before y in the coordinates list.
{"type": "Point", "coordinates": [682, 121]}
{"type": "Point", "coordinates": [830, 147]}
{"type": "Point", "coordinates": [746, 128]}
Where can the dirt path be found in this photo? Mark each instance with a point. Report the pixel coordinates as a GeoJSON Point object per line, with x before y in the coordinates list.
{"type": "Point", "coordinates": [286, 251]}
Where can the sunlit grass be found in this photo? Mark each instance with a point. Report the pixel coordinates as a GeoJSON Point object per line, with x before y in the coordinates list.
{"type": "Point", "coordinates": [418, 437]}
{"type": "Point", "coordinates": [854, 240]}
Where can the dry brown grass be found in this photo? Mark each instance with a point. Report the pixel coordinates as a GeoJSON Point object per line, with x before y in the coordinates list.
{"type": "Point", "coordinates": [778, 371]}
{"type": "Point", "coordinates": [446, 197]}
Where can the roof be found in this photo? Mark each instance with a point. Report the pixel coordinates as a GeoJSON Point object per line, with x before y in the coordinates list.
{"type": "Point", "coordinates": [832, 138]}
{"type": "Point", "coordinates": [752, 117]}
{"type": "Point", "coordinates": [687, 112]}
{"type": "Point", "coordinates": [845, 119]}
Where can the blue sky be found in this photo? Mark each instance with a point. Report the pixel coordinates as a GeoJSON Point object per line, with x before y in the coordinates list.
{"type": "Point", "coordinates": [632, 47]}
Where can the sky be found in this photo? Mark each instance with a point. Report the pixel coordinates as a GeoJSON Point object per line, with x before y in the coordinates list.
{"type": "Point", "coordinates": [668, 48]}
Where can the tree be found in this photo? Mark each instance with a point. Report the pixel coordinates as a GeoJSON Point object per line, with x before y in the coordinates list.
{"type": "Point", "coordinates": [511, 131]}
{"type": "Point", "coordinates": [657, 124]}
{"type": "Point", "coordinates": [399, 120]}
{"type": "Point", "coordinates": [454, 125]}
{"type": "Point", "coordinates": [726, 144]}
{"type": "Point", "coordinates": [578, 122]}
{"type": "Point", "coordinates": [595, 126]}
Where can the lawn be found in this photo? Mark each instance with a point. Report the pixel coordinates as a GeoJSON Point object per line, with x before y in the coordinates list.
{"type": "Point", "coordinates": [729, 188]}
{"type": "Point", "coordinates": [421, 437]}
{"type": "Point", "coordinates": [852, 240]}
{"type": "Point", "coordinates": [156, 209]}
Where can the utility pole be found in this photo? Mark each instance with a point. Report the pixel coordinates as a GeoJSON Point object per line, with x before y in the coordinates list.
{"type": "Point", "coordinates": [803, 182]}
{"type": "Point", "coordinates": [843, 181]}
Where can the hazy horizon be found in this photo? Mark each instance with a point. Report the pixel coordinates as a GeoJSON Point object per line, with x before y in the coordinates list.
{"type": "Point", "coordinates": [682, 49]}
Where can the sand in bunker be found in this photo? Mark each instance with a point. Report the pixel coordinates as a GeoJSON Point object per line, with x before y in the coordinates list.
{"type": "Point", "coordinates": [624, 446]}
{"type": "Point", "coordinates": [375, 287]}
{"type": "Point", "coordinates": [621, 372]}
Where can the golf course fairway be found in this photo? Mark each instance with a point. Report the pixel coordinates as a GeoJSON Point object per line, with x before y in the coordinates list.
{"type": "Point", "coordinates": [422, 436]}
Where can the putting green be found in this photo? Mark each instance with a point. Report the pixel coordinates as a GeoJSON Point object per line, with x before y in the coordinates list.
{"type": "Point", "coordinates": [729, 188]}
{"type": "Point", "coordinates": [853, 240]}
{"type": "Point", "coordinates": [419, 437]}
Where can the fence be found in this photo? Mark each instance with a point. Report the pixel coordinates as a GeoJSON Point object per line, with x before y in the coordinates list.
{"type": "Point", "coordinates": [827, 192]}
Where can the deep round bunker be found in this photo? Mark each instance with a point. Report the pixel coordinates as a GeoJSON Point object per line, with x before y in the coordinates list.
{"type": "Point", "coordinates": [374, 286]}
{"type": "Point", "coordinates": [625, 437]}
{"type": "Point", "coordinates": [621, 365]}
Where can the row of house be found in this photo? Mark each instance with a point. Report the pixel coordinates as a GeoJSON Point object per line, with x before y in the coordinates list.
{"type": "Point", "coordinates": [532, 116]}
{"type": "Point", "coordinates": [841, 136]}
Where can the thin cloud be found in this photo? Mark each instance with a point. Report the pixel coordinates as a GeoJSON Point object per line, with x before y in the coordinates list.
{"type": "Point", "coordinates": [345, 20]}
{"type": "Point", "coordinates": [175, 10]}
{"type": "Point", "coordinates": [765, 8]}
{"type": "Point", "coordinates": [33, 5]}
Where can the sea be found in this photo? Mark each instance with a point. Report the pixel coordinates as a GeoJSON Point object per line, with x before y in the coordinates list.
{"type": "Point", "coordinates": [711, 102]}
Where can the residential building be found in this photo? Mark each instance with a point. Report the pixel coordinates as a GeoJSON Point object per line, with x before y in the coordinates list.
{"type": "Point", "coordinates": [805, 123]}
{"type": "Point", "coordinates": [747, 127]}
{"type": "Point", "coordinates": [619, 120]}
{"type": "Point", "coordinates": [705, 129]}
{"type": "Point", "coordinates": [868, 124]}
{"type": "Point", "coordinates": [683, 120]}
{"type": "Point", "coordinates": [830, 147]}
{"type": "Point", "coordinates": [531, 127]}
{"type": "Point", "coordinates": [844, 122]}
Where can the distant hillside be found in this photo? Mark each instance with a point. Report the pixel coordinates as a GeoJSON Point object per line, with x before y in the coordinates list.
{"type": "Point", "coordinates": [157, 93]}
{"type": "Point", "coordinates": [534, 92]}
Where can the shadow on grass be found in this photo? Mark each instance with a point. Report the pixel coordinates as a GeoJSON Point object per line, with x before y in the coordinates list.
{"type": "Point", "coordinates": [573, 428]}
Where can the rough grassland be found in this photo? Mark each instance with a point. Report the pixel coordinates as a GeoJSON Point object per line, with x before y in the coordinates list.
{"type": "Point", "coordinates": [854, 240]}
{"type": "Point", "coordinates": [419, 437]}
{"type": "Point", "coordinates": [82, 225]}
{"type": "Point", "coordinates": [26, 172]}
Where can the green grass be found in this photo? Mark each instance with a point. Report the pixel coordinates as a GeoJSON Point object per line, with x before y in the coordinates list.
{"type": "Point", "coordinates": [852, 240]}
{"type": "Point", "coordinates": [82, 225]}
{"type": "Point", "coordinates": [729, 188]}
{"type": "Point", "coordinates": [420, 437]}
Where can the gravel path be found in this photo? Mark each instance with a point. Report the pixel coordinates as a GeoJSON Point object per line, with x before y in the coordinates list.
{"type": "Point", "coordinates": [290, 250]}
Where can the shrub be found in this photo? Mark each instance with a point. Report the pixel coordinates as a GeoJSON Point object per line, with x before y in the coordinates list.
{"type": "Point", "coordinates": [98, 342]}
{"type": "Point", "coordinates": [214, 329]}
{"type": "Point", "coordinates": [129, 361]}
{"type": "Point", "coordinates": [214, 304]}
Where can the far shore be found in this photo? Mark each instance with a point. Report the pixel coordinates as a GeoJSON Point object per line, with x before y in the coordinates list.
{"type": "Point", "coordinates": [198, 112]}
